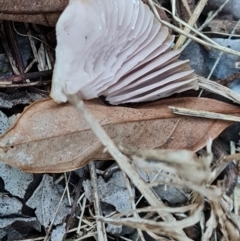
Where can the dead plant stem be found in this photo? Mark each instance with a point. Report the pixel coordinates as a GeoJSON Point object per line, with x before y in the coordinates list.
{"type": "Point", "coordinates": [131, 197]}
{"type": "Point", "coordinates": [101, 232]}
{"type": "Point", "coordinates": [191, 36]}
{"type": "Point", "coordinates": [203, 114]}
{"type": "Point", "coordinates": [193, 19]}
{"type": "Point", "coordinates": [206, 22]}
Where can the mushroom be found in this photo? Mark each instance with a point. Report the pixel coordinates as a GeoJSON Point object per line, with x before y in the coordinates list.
{"type": "Point", "coordinates": [118, 49]}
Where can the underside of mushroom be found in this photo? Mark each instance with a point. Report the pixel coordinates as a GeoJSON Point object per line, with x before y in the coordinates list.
{"type": "Point", "coordinates": [116, 49]}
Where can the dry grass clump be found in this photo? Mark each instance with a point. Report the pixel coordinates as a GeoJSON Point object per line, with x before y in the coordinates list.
{"type": "Point", "coordinates": [208, 206]}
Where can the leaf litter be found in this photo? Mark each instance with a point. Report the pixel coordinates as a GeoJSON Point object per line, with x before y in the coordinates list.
{"type": "Point", "coordinates": [46, 210]}
{"type": "Point", "coordinates": [18, 185]}
{"type": "Point", "coordinates": [59, 129]}
{"type": "Point", "coordinates": [217, 210]}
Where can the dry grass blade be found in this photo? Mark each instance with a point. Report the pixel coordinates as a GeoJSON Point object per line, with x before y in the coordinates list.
{"type": "Point", "coordinates": [220, 207]}
{"type": "Point", "coordinates": [175, 162]}
{"type": "Point", "coordinates": [193, 19]}
{"type": "Point", "coordinates": [161, 228]}
{"type": "Point", "coordinates": [203, 114]}
{"type": "Point", "coordinates": [216, 88]}
{"type": "Point", "coordinates": [102, 236]}
{"type": "Point", "coordinates": [219, 57]}
{"type": "Point", "coordinates": [187, 208]}
{"type": "Point", "coordinates": [191, 36]}
{"type": "Point", "coordinates": [131, 198]}
{"type": "Point", "coordinates": [145, 223]}
{"type": "Point", "coordinates": [211, 17]}
{"type": "Point", "coordinates": [47, 237]}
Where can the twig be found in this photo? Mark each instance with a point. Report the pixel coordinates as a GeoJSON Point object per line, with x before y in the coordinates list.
{"type": "Point", "coordinates": [102, 236]}
{"type": "Point", "coordinates": [209, 40]}
{"type": "Point", "coordinates": [206, 38]}
{"type": "Point", "coordinates": [40, 63]}
{"type": "Point", "coordinates": [187, 8]}
{"type": "Point", "coordinates": [131, 197]}
{"type": "Point", "coordinates": [49, 49]}
{"type": "Point", "coordinates": [54, 216]}
{"type": "Point", "coordinates": [216, 88]}
{"type": "Point", "coordinates": [8, 80]}
{"type": "Point", "coordinates": [219, 57]}
{"type": "Point", "coordinates": [206, 22]}
{"type": "Point", "coordinates": [220, 33]}
{"type": "Point", "coordinates": [122, 160]}
{"type": "Point", "coordinates": [66, 183]}
{"type": "Point", "coordinates": [30, 65]}
{"type": "Point", "coordinates": [81, 215]}
{"type": "Point", "coordinates": [88, 235]}
{"type": "Point", "coordinates": [231, 157]}
{"type": "Point", "coordinates": [191, 36]}
{"type": "Point", "coordinates": [193, 19]}
{"type": "Point", "coordinates": [75, 202]}
{"type": "Point", "coordinates": [14, 46]}
{"type": "Point", "coordinates": [6, 47]}
{"type": "Point", "coordinates": [154, 178]}
{"type": "Point", "coordinates": [203, 114]}
{"type": "Point", "coordinates": [31, 239]}
{"type": "Point", "coordinates": [159, 227]}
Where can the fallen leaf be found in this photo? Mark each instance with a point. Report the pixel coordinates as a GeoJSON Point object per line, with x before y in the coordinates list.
{"type": "Point", "coordinates": [113, 192]}
{"type": "Point", "coordinates": [40, 12]}
{"type": "Point", "coordinates": [18, 185]}
{"type": "Point", "coordinates": [49, 137]}
{"type": "Point", "coordinates": [5, 222]}
{"type": "Point", "coordinates": [59, 232]}
{"type": "Point", "coordinates": [9, 100]}
{"type": "Point", "coordinates": [10, 206]}
{"type": "Point", "coordinates": [45, 207]}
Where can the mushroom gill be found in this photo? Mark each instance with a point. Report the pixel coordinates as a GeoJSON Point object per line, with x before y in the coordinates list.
{"type": "Point", "coordinates": [116, 48]}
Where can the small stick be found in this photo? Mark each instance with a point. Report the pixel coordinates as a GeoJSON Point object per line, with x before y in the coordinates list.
{"type": "Point", "coordinates": [219, 57]}
{"type": "Point", "coordinates": [191, 36]}
{"type": "Point", "coordinates": [75, 202]}
{"type": "Point", "coordinates": [101, 232]}
{"type": "Point", "coordinates": [3, 39]}
{"type": "Point", "coordinates": [131, 197]}
{"type": "Point", "coordinates": [235, 156]}
{"type": "Point", "coordinates": [67, 187]}
{"type": "Point", "coordinates": [83, 207]}
{"type": "Point", "coordinates": [8, 80]}
{"type": "Point", "coordinates": [54, 215]}
{"type": "Point", "coordinates": [216, 88]}
{"type": "Point", "coordinates": [193, 19]}
{"type": "Point", "coordinates": [203, 114]}
{"type": "Point", "coordinates": [14, 45]}
{"type": "Point", "coordinates": [206, 22]}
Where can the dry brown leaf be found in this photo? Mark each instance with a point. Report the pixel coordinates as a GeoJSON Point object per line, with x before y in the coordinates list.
{"type": "Point", "coordinates": [40, 12]}
{"type": "Point", "coordinates": [53, 138]}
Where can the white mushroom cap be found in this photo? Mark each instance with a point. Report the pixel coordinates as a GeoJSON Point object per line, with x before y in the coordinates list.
{"type": "Point", "coordinates": [116, 48]}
